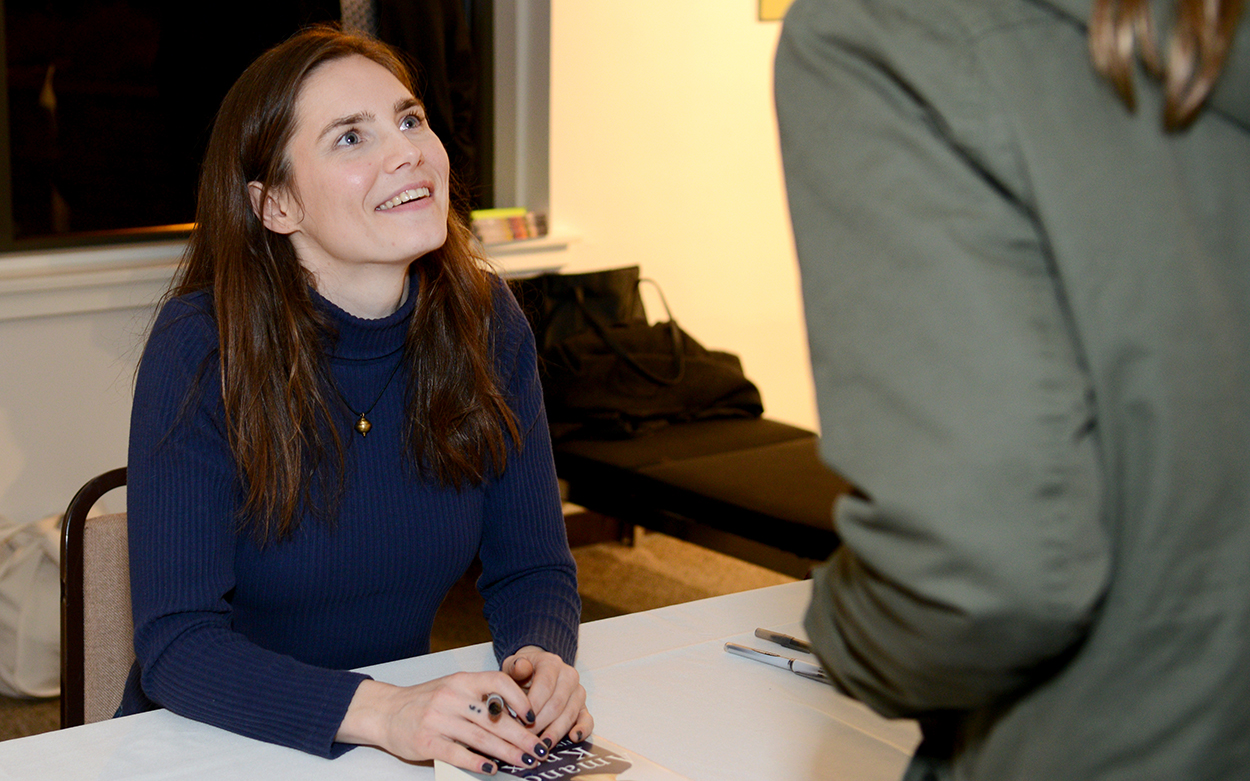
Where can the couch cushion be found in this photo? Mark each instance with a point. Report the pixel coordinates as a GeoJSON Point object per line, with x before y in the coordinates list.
{"type": "Point", "coordinates": [684, 441]}
{"type": "Point", "coordinates": [784, 480]}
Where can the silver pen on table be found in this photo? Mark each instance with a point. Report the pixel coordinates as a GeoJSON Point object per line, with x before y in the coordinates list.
{"type": "Point", "coordinates": [786, 641]}
{"type": "Point", "coordinates": [796, 666]}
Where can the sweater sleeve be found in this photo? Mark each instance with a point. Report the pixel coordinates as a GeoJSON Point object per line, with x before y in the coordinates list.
{"type": "Point", "coordinates": [183, 496]}
{"type": "Point", "coordinates": [529, 579]}
{"type": "Point", "coordinates": [949, 382]}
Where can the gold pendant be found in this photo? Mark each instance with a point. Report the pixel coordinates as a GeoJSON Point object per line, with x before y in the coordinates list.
{"type": "Point", "coordinates": [363, 425]}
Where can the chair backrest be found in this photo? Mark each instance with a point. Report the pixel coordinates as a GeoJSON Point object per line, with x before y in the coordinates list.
{"type": "Point", "coordinates": [97, 630]}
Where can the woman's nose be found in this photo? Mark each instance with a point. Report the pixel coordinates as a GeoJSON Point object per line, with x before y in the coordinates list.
{"type": "Point", "coordinates": [401, 150]}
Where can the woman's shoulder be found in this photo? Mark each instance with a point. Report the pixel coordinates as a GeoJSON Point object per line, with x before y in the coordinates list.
{"type": "Point", "coordinates": [512, 341]}
{"type": "Point", "coordinates": [188, 316]}
{"type": "Point", "coordinates": [185, 329]}
{"type": "Point", "coordinates": [181, 353]}
{"type": "Point", "coordinates": [508, 326]}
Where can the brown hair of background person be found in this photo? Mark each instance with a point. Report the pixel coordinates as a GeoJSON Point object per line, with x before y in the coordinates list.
{"type": "Point", "coordinates": [1122, 30]}
{"type": "Point", "coordinates": [274, 384]}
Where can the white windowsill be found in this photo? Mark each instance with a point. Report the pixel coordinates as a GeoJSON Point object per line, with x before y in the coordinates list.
{"type": "Point", "coordinates": [60, 282]}
{"type": "Point", "coordinates": [526, 257]}
{"type": "Point", "coordinates": [135, 276]}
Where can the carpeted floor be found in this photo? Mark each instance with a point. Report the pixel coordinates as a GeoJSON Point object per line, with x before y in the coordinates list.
{"type": "Point", "coordinates": [613, 579]}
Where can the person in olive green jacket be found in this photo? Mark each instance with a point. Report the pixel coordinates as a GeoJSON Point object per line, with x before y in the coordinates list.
{"type": "Point", "coordinates": [1028, 307]}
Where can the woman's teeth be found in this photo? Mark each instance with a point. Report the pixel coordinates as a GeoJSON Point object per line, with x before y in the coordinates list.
{"type": "Point", "coordinates": [405, 197]}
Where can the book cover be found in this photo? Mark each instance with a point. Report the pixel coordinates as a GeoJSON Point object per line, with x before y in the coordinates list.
{"type": "Point", "coordinates": [593, 759]}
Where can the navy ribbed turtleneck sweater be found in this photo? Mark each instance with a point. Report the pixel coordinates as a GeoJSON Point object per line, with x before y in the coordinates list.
{"type": "Point", "coordinates": [258, 639]}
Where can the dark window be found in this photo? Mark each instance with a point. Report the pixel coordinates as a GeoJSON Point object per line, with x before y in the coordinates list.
{"type": "Point", "coordinates": [110, 103]}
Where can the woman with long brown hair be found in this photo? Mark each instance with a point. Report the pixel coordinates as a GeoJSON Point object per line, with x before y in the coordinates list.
{"type": "Point", "coordinates": [1024, 233]}
{"type": "Point", "coordinates": [336, 411]}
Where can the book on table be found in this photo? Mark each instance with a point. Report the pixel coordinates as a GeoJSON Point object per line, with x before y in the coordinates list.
{"type": "Point", "coordinates": [593, 759]}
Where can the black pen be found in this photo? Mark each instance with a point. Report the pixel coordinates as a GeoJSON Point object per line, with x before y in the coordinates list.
{"type": "Point", "coordinates": [785, 641]}
{"type": "Point", "coordinates": [796, 666]}
{"type": "Point", "coordinates": [495, 705]}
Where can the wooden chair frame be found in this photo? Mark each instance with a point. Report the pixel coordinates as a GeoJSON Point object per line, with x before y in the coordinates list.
{"type": "Point", "coordinates": [73, 657]}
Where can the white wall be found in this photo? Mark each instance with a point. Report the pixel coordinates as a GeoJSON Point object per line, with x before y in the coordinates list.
{"type": "Point", "coordinates": [664, 153]}
{"type": "Point", "coordinates": [65, 387]}
{"type": "Point", "coordinates": [72, 324]}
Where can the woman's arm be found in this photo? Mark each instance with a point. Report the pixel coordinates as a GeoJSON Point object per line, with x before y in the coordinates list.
{"type": "Point", "coordinates": [529, 579]}
{"type": "Point", "coordinates": [950, 384]}
{"type": "Point", "coordinates": [183, 496]}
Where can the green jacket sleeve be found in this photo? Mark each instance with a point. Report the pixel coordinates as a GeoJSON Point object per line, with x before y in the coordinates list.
{"type": "Point", "coordinates": [950, 382]}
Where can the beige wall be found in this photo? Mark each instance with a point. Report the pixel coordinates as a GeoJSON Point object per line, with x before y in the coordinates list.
{"type": "Point", "coordinates": [65, 389]}
{"type": "Point", "coordinates": [663, 152]}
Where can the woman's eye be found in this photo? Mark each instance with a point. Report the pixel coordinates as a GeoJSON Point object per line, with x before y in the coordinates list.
{"type": "Point", "coordinates": [411, 122]}
{"type": "Point", "coordinates": [350, 138]}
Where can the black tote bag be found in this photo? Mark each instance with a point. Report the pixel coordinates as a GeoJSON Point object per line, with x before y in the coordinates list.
{"type": "Point", "coordinates": [557, 304]}
{"type": "Point", "coordinates": [608, 373]}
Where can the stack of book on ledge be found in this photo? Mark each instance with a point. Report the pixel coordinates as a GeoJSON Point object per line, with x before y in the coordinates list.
{"type": "Point", "coordinates": [493, 226]}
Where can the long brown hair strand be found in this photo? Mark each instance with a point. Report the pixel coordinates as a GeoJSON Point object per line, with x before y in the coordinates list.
{"type": "Point", "coordinates": [1120, 31]}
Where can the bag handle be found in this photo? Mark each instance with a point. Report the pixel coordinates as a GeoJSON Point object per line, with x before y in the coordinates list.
{"type": "Point", "coordinates": [679, 352]}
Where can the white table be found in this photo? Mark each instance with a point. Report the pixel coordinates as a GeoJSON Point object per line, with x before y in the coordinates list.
{"type": "Point", "coordinates": [659, 682]}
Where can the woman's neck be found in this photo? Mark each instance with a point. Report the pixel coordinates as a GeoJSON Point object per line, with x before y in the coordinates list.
{"type": "Point", "coordinates": [369, 293]}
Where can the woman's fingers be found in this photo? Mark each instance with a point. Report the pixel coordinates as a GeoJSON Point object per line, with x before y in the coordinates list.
{"type": "Point", "coordinates": [458, 755]}
{"type": "Point", "coordinates": [496, 735]}
{"type": "Point", "coordinates": [517, 707]}
{"type": "Point", "coordinates": [544, 682]}
{"type": "Point", "coordinates": [517, 733]}
{"type": "Point", "coordinates": [506, 740]}
{"type": "Point", "coordinates": [556, 693]}
{"type": "Point", "coordinates": [535, 670]}
{"type": "Point", "coordinates": [584, 727]}
{"type": "Point", "coordinates": [569, 717]}
{"type": "Point", "coordinates": [520, 668]}
{"type": "Point", "coordinates": [446, 719]}
{"type": "Point", "coordinates": [554, 690]}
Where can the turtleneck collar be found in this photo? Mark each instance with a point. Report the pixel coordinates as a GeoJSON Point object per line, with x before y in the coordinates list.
{"type": "Point", "coordinates": [357, 338]}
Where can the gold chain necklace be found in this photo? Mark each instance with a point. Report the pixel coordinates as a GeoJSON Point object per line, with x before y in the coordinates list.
{"type": "Point", "coordinates": [363, 425]}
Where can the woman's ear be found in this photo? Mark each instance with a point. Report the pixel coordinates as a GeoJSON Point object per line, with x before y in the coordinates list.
{"type": "Point", "coordinates": [277, 211]}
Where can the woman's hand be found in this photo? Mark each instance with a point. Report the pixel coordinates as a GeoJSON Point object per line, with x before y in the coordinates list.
{"type": "Point", "coordinates": [445, 719]}
{"type": "Point", "coordinates": [555, 693]}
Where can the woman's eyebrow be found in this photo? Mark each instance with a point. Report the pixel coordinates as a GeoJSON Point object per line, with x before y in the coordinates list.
{"type": "Point", "coordinates": [351, 119]}
{"type": "Point", "coordinates": [401, 105]}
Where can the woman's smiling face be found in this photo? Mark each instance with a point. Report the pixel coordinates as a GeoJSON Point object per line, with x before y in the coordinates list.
{"type": "Point", "coordinates": [369, 179]}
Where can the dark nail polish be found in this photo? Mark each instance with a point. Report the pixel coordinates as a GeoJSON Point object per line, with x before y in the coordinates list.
{"type": "Point", "coordinates": [547, 741]}
{"type": "Point", "coordinates": [577, 736]}
{"type": "Point", "coordinates": [488, 768]}
{"type": "Point", "coordinates": [540, 750]}
{"type": "Point", "coordinates": [530, 717]}
{"type": "Point", "coordinates": [527, 759]}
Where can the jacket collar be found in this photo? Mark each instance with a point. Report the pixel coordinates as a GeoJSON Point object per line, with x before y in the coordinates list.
{"type": "Point", "coordinates": [1231, 95]}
